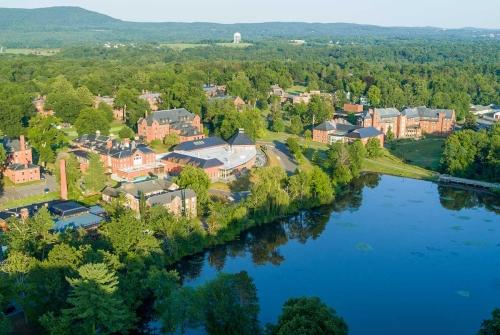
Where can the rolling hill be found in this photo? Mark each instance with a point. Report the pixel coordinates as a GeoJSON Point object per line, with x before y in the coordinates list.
{"type": "Point", "coordinates": [63, 26]}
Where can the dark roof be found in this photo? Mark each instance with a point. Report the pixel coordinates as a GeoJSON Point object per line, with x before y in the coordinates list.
{"type": "Point", "coordinates": [201, 144]}
{"type": "Point", "coordinates": [111, 191]}
{"type": "Point", "coordinates": [84, 220]}
{"type": "Point", "coordinates": [176, 157]}
{"type": "Point", "coordinates": [170, 116]}
{"type": "Point", "coordinates": [338, 127]}
{"type": "Point", "coordinates": [387, 112]}
{"type": "Point", "coordinates": [20, 167]}
{"type": "Point", "coordinates": [325, 126]}
{"type": "Point", "coordinates": [240, 138]}
{"type": "Point", "coordinates": [166, 198]}
{"type": "Point", "coordinates": [364, 132]}
{"type": "Point", "coordinates": [147, 187]}
{"type": "Point", "coordinates": [81, 153]}
{"type": "Point", "coordinates": [65, 208]}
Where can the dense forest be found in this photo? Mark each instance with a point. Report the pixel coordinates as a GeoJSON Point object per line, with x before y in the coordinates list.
{"type": "Point", "coordinates": [56, 27]}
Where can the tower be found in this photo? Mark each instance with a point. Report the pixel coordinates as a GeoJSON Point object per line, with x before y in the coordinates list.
{"type": "Point", "coordinates": [63, 180]}
{"type": "Point", "coordinates": [237, 38]}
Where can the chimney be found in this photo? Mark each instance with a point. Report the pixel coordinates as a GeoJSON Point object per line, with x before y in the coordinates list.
{"type": "Point", "coordinates": [22, 143]}
{"type": "Point", "coordinates": [63, 181]}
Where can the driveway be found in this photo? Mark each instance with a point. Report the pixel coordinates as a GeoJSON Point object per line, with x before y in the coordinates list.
{"type": "Point", "coordinates": [23, 191]}
{"type": "Point", "coordinates": [280, 151]}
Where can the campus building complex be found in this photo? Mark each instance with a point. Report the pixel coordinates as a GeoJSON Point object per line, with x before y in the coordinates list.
{"type": "Point", "coordinates": [340, 130]}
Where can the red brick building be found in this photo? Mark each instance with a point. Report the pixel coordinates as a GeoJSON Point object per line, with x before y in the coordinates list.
{"type": "Point", "coordinates": [179, 121]}
{"type": "Point", "coordinates": [125, 161]}
{"type": "Point", "coordinates": [20, 168]}
{"type": "Point", "coordinates": [412, 122]}
{"type": "Point", "coordinates": [330, 132]}
{"type": "Point", "coordinates": [353, 108]}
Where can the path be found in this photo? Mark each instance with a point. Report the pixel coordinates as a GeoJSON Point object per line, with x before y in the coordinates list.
{"type": "Point", "coordinates": [280, 151]}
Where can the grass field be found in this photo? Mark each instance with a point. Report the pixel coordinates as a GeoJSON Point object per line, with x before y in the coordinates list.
{"type": "Point", "coordinates": [296, 89]}
{"type": "Point", "coordinates": [32, 199]}
{"type": "Point", "coordinates": [391, 165]}
{"type": "Point", "coordinates": [38, 52]}
{"type": "Point", "coordinates": [425, 153]}
{"type": "Point", "coordinates": [184, 46]}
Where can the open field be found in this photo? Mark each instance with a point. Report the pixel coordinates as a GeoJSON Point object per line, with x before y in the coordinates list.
{"type": "Point", "coordinates": [391, 165]}
{"type": "Point", "coordinates": [38, 52]}
{"type": "Point", "coordinates": [425, 153]}
{"type": "Point", "coordinates": [184, 46]}
{"type": "Point", "coordinates": [32, 199]}
{"type": "Point", "coordinates": [296, 89]}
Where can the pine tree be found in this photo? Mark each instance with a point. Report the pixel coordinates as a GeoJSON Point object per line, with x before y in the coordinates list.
{"type": "Point", "coordinates": [97, 307]}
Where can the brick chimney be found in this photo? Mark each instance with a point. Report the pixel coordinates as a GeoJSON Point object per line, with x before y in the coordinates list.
{"type": "Point", "coordinates": [22, 143]}
{"type": "Point", "coordinates": [63, 180]}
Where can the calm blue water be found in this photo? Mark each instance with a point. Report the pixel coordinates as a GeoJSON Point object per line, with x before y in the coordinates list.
{"type": "Point", "coordinates": [398, 257]}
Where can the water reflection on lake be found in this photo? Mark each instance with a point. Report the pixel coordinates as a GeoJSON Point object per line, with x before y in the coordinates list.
{"type": "Point", "coordinates": [393, 256]}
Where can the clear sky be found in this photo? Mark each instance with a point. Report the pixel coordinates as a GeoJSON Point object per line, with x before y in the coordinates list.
{"type": "Point", "coordinates": [438, 13]}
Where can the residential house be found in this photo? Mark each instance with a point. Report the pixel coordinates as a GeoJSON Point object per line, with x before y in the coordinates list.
{"type": "Point", "coordinates": [39, 103]}
{"type": "Point", "coordinates": [118, 113]}
{"type": "Point", "coordinates": [212, 91]}
{"type": "Point", "coordinates": [221, 160]}
{"type": "Point", "coordinates": [157, 125]}
{"type": "Point", "coordinates": [238, 102]}
{"type": "Point", "coordinates": [155, 192]}
{"type": "Point", "coordinates": [20, 167]}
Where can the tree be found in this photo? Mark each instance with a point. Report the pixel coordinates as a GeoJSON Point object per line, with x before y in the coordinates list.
{"type": "Point", "coordinates": [268, 194]}
{"type": "Point", "coordinates": [106, 110]}
{"type": "Point", "coordinates": [308, 316]}
{"type": "Point", "coordinates": [91, 120]}
{"type": "Point", "coordinates": [94, 178]}
{"type": "Point", "coordinates": [357, 153]}
{"type": "Point", "coordinates": [492, 326]}
{"type": "Point", "coordinates": [66, 101]}
{"type": "Point", "coordinates": [296, 125]}
{"type": "Point", "coordinates": [171, 140]}
{"type": "Point", "coordinates": [181, 310]}
{"type": "Point", "coordinates": [278, 125]}
{"type": "Point", "coordinates": [319, 110]}
{"type": "Point", "coordinates": [11, 117]}
{"type": "Point", "coordinates": [294, 147]}
{"type": "Point", "coordinates": [374, 96]}
{"type": "Point", "coordinates": [197, 180]}
{"type": "Point", "coordinates": [357, 87]}
{"type": "Point", "coordinates": [373, 149]}
{"type": "Point", "coordinates": [126, 132]}
{"type": "Point", "coordinates": [45, 137]}
{"type": "Point", "coordinates": [96, 306]}
{"type": "Point", "coordinates": [470, 122]}
{"type": "Point", "coordinates": [390, 135]}
{"type": "Point", "coordinates": [340, 161]}
{"type": "Point", "coordinates": [231, 305]}
{"type": "Point", "coordinates": [240, 86]}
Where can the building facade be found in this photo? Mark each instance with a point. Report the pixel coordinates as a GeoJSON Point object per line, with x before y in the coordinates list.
{"type": "Point", "coordinates": [157, 125]}
{"type": "Point", "coordinates": [20, 167]}
{"type": "Point", "coordinates": [333, 131]}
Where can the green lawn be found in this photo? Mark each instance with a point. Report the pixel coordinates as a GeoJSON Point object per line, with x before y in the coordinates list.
{"type": "Point", "coordinates": [32, 199]}
{"type": "Point", "coordinates": [296, 89]}
{"type": "Point", "coordinates": [425, 153]}
{"type": "Point", "coordinates": [184, 46]}
{"type": "Point", "coordinates": [391, 165]}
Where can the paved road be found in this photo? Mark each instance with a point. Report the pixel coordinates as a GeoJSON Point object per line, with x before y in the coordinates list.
{"type": "Point", "coordinates": [233, 196]}
{"type": "Point", "coordinates": [281, 152]}
{"type": "Point", "coordinates": [20, 191]}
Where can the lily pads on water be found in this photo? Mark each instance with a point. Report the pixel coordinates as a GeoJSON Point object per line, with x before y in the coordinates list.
{"type": "Point", "coordinates": [365, 247]}
{"type": "Point", "coordinates": [464, 293]}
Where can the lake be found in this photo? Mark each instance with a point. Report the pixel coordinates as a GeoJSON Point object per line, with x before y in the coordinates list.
{"type": "Point", "coordinates": [392, 256]}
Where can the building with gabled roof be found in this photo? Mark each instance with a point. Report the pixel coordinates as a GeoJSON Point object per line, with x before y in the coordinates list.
{"type": "Point", "coordinates": [157, 125]}
{"type": "Point", "coordinates": [20, 168]}
{"type": "Point", "coordinates": [218, 158]}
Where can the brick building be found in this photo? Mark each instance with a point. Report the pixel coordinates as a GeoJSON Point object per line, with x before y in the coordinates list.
{"type": "Point", "coordinates": [353, 108]}
{"type": "Point", "coordinates": [340, 130]}
{"type": "Point", "coordinates": [124, 161]}
{"type": "Point", "coordinates": [153, 99]}
{"type": "Point", "coordinates": [20, 167]}
{"type": "Point", "coordinates": [157, 125]}
{"type": "Point", "coordinates": [412, 122]}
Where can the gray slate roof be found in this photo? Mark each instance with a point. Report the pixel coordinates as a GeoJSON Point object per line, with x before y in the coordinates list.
{"type": "Point", "coordinates": [240, 138]}
{"type": "Point", "coordinates": [147, 187]}
{"type": "Point", "coordinates": [338, 128]}
{"type": "Point", "coordinates": [387, 112]}
{"type": "Point", "coordinates": [167, 198]}
{"type": "Point", "coordinates": [425, 112]}
{"type": "Point", "coordinates": [169, 116]}
{"type": "Point", "coordinates": [176, 157]}
{"type": "Point", "coordinates": [20, 167]}
{"type": "Point", "coordinates": [200, 144]}
{"type": "Point", "coordinates": [364, 133]}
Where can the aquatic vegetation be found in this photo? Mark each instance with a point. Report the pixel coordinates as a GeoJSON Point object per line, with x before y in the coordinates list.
{"type": "Point", "coordinates": [365, 247]}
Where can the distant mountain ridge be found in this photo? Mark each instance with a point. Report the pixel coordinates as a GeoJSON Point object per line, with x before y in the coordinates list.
{"type": "Point", "coordinates": [61, 26]}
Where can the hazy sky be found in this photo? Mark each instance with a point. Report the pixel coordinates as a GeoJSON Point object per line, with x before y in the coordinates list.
{"type": "Point", "coordinates": [439, 13]}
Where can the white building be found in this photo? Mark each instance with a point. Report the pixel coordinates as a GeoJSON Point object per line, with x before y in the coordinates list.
{"type": "Point", "coordinates": [237, 38]}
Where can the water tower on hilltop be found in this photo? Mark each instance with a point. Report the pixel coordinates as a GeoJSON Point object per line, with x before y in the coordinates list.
{"type": "Point", "coordinates": [237, 38]}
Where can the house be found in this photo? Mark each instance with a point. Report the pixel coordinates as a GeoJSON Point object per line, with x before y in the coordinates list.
{"type": "Point", "coordinates": [212, 91]}
{"type": "Point", "coordinates": [155, 192]}
{"type": "Point", "coordinates": [411, 123]}
{"type": "Point", "coordinates": [153, 99]}
{"type": "Point", "coordinates": [118, 113]}
{"type": "Point", "coordinates": [157, 125]}
{"type": "Point", "coordinates": [66, 215]}
{"type": "Point", "coordinates": [219, 159]}
{"type": "Point", "coordinates": [20, 167]}
{"type": "Point", "coordinates": [238, 102]}
{"type": "Point", "coordinates": [123, 160]}
{"type": "Point", "coordinates": [332, 131]}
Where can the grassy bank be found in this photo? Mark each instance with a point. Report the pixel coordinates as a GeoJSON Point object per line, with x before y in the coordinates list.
{"type": "Point", "coordinates": [425, 153]}
{"type": "Point", "coordinates": [391, 165]}
{"type": "Point", "coordinates": [32, 199]}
